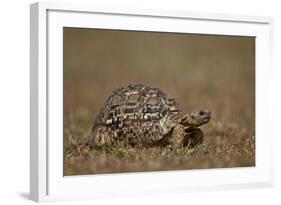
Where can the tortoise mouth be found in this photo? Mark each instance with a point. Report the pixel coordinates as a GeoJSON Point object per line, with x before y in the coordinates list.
{"type": "Point", "coordinates": [204, 114]}
{"type": "Point", "coordinates": [207, 118]}
{"type": "Point", "coordinates": [196, 118]}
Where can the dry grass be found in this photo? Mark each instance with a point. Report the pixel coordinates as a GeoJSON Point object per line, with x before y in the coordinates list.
{"type": "Point", "coordinates": [201, 72]}
{"type": "Point", "coordinates": [225, 145]}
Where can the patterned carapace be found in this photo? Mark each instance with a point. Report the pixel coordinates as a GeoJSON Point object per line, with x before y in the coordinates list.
{"type": "Point", "coordinates": [137, 111]}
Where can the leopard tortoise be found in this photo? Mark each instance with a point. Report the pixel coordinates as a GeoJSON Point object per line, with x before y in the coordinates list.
{"type": "Point", "coordinates": [139, 115]}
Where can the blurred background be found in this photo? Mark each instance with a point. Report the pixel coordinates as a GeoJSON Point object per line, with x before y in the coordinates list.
{"type": "Point", "coordinates": [200, 71]}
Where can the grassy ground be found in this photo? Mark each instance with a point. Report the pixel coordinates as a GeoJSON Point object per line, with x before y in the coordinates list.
{"type": "Point", "coordinates": [201, 72]}
{"type": "Point", "coordinates": [225, 145]}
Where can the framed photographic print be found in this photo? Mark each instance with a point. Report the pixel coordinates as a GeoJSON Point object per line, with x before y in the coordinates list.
{"type": "Point", "coordinates": [128, 101]}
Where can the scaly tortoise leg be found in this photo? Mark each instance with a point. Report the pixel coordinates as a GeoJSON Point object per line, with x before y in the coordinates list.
{"type": "Point", "coordinates": [177, 137]}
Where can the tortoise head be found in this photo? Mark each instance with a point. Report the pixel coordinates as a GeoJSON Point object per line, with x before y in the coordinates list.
{"type": "Point", "coordinates": [196, 118]}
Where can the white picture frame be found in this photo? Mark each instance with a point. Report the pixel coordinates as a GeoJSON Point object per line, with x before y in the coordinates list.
{"type": "Point", "coordinates": [47, 182]}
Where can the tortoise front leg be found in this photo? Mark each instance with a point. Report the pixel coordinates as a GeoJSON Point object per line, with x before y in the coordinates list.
{"type": "Point", "coordinates": [194, 136]}
{"type": "Point", "coordinates": [177, 136]}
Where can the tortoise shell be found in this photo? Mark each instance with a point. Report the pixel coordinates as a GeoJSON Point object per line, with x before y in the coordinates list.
{"type": "Point", "coordinates": [136, 113]}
